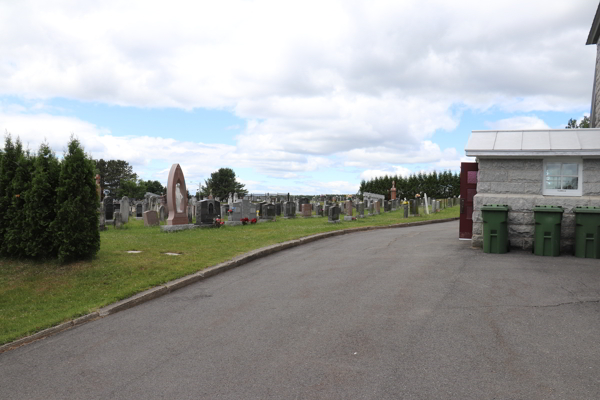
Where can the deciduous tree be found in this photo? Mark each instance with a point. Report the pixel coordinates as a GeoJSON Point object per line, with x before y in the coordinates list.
{"type": "Point", "coordinates": [572, 124]}
{"type": "Point", "coordinates": [113, 174]}
{"type": "Point", "coordinates": [221, 183]}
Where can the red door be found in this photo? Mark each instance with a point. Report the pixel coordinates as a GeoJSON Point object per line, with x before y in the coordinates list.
{"type": "Point", "coordinates": [468, 190]}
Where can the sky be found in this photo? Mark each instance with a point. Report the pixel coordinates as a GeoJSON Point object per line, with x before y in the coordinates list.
{"type": "Point", "coordinates": [305, 97]}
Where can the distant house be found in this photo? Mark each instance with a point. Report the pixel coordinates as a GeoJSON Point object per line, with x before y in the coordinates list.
{"type": "Point", "coordinates": [526, 168]}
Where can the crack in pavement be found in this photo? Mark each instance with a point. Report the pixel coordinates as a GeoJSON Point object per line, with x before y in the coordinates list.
{"type": "Point", "coordinates": [581, 302]}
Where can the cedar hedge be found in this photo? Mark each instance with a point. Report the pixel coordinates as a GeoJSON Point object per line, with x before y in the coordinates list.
{"type": "Point", "coordinates": [48, 208]}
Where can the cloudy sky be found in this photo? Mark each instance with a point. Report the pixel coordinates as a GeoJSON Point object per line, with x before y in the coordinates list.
{"type": "Point", "coordinates": [302, 97]}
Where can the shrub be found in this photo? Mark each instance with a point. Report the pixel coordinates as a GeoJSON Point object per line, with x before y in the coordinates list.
{"type": "Point", "coordinates": [8, 168]}
{"type": "Point", "coordinates": [16, 235]}
{"type": "Point", "coordinates": [40, 207]}
{"type": "Point", "coordinates": [76, 223]}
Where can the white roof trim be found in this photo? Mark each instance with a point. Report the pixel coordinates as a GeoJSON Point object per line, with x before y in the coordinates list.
{"type": "Point", "coordinates": [534, 143]}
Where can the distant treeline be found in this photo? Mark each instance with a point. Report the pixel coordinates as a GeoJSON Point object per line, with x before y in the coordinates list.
{"type": "Point", "coordinates": [442, 185]}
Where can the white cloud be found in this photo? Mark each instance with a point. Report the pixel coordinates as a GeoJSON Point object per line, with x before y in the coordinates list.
{"type": "Point", "coordinates": [323, 84]}
{"type": "Point", "coordinates": [197, 159]}
{"type": "Point", "coordinates": [215, 54]}
{"type": "Point", "coordinates": [516, 123]}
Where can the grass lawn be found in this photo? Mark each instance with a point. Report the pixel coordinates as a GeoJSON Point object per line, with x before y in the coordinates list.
{"type": "Point", "coordinates": [38, 295]}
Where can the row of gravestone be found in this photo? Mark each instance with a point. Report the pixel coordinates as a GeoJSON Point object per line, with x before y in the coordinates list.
{"type": "Point", "coordinates": [244, 209]}
{"type": "Point", "coordinates": [207, 211]}
{"type": "Point", "coordinates": [111, 207]}
{"type": "Point", "coordinates": [118, 212]}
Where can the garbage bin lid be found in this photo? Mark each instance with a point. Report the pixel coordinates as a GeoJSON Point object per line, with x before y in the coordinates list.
{"type": "Point", "coordinates": [494, 207]}
{"type": "Point", "coordinates": [587, 210]}
{"type": "Point", "coordinates": [556, 209]}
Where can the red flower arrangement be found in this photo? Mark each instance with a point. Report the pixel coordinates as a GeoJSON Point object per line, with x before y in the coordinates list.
{"type": "Point", "coordinates": [245, 221]}
{"type": "Point", "coordinates": [253, 221]}
{"type": "Point", "coordinates": [218, 222]}
{"type": "Point", "coordinates": [229, 211]}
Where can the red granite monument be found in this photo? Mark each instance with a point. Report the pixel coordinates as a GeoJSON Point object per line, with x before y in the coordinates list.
{"type": "Point", "coordinates": [176, 197]}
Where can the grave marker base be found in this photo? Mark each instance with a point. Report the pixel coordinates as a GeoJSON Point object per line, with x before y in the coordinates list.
{"type": "Point", "coordinates": [234, 223]}
{"type": "Point", "coordinates": [182, 227]}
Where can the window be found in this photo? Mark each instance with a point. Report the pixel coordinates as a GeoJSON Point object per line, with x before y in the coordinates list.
{"type": "Point", "coordinates": [562, 176]}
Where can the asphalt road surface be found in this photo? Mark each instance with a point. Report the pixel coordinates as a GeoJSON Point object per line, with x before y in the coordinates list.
{"type": "Point", "coordinates": [409, 313]}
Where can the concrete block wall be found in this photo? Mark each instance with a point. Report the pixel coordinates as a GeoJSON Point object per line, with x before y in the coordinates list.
{"type": "Point", "coordinates": [518, 184]}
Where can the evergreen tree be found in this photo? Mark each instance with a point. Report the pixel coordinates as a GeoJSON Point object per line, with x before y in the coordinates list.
{"type": "Point", "coordinates": [8, 167]}
{"type": "Point", "coordinates": [456, 185]}
{"type": "Point", "coordinates": [76, 223]}
{"type": "Point", "coordinates": [413, 186]}
{"type": "Point", "coordinates": [363, 186]}
{"type": "Point", "coordinates": [15, 234]}
{"type": "Point", "coordinates": [40, 206]}
{"type": "Point", "coordinates": [436, 185]}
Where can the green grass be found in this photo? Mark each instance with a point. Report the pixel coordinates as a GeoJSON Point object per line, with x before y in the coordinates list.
{"type": "Point", "coordinates": [38, 295]}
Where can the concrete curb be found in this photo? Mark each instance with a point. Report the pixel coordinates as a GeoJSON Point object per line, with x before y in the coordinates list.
{"type": "Point", "coordinates": [179, 283]}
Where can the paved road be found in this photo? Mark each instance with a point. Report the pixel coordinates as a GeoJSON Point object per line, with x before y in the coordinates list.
{"type": "Point", "coordinates": [407, 313]}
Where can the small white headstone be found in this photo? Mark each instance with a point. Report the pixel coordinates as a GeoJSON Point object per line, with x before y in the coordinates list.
{"type": "Point", "coordinates": [125, 209]}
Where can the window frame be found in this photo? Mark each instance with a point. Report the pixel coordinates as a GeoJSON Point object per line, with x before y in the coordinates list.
{"type": "Point", "coordinates": [563, 192]}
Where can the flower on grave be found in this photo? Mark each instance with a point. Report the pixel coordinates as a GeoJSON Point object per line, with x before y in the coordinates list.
{"type": "Point", "coordinates": [417, 196]}
{"type": "Point", "coordinates": [218, 222]}
{"type": "Point", "coordinates": [253, 221]}
{"type": "Point", "coordinates": [229, 211]}
{"type": "Point", "coordinates": [245, 221]}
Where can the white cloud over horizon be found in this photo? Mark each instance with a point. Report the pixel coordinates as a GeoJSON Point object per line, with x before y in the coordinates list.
{"type": "Point", "coordinates": [516, 123]}
{"type": "Point", "coordinates": [357, 86]}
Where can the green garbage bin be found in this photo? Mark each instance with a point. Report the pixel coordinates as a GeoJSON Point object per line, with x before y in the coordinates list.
{"type": "Point", "coordinates": [495, 228]}
{"type": "Point", "coordinates": [546, 239]}
{"type": "Point", "coordinates": [587, 232]}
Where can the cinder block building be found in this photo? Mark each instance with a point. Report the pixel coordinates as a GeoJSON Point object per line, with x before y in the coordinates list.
{"type": "Point", "coordinates": [524, 169]}
{"type": "Point", "coordinates": [527, 168]}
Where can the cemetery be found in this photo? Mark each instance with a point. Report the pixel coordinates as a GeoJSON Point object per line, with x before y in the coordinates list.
{"type": "Point", "coordinates": [137, 254]}
{"type": "Point", "coordinates": [67, 255]}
